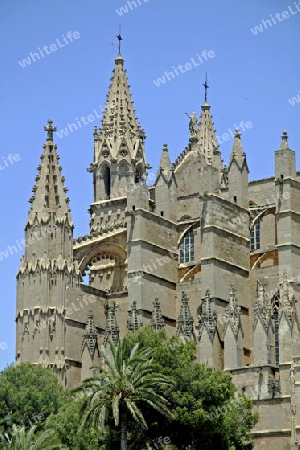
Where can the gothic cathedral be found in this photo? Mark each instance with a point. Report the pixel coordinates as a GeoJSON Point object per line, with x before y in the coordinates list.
{"type": "Point", "coordinates": [203, 253]}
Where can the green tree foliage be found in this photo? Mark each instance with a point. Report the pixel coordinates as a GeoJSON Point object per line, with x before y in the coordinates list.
{"type": "Point", "coordinates": [22, 440]}
{"type": "Point", "coordinates": [129, 380]}
{"type": "Point", "coordinates": [208, 413]}
{"type": "Point", "coordinates": [67, 424]}
{"type": "Point", "coordinates": [28, 394]}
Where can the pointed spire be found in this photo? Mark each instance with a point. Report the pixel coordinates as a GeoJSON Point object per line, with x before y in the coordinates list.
{"type": "Point", "coordinates": [207, 139]}
{"type": "Point", "coordinates": [90, 336]}
{"type": "Point", "coordinates": [185, 327]}
{"type": "Point", "coordinates": [132, 322]}
{"type": "Point", "coordinates": [262, 306]}
{"type": "Point", "coordinates": [233, 313]}
{"type": "Point", "coordinates": [112, 329]}
{"type": "Point", "coordinates": [208, 320]}
{"type": "Point", "coordinates": [157, 320]}
{"type": "Point", "coordinates": [165, 166]}
{"type": "Point", "coordinates": [165, 162]}
{"type": "Point", "coordinates": [237, 152]}
{"type": "Point", "coordinates": [49, 196]}
{"type": "Point", "coordinates": [119, 123]}
{"type": "Point", "coordinates": [284, 142]}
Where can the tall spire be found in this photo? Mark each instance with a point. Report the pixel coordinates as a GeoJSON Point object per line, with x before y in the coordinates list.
{"type": "Point", "coordinates": [119, 143]}
{"type": "Point", "coordinates": [209, 146]}
{"type": "Point", "coordinates": [49, 194]}
{"type": "Point", "coordinates": [48, 260]}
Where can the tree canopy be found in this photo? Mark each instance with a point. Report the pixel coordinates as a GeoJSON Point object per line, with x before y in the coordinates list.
{"type": "Point", "coordinates": [28, 395]}
{"type": "Point", "coordinates": [207, 411]}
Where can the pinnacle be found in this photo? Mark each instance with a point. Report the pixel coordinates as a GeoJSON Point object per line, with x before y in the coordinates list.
{"type": "Point", "coordinates": [237, 152]}
{"type": "Point", "coordinates": [165, 162]}
{"type": "Point", "coordinates": [284, 143]}
{"type": "Point", "coordinates": [206, 136]}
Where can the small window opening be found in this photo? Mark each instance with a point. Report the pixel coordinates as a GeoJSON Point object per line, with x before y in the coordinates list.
{"type": "Point", "coordinates": [107, 182]}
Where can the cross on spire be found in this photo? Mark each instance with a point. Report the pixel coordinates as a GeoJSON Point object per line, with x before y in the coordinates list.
{"type": "Point", "coordinates": [205, 87]}
{"type": "Point", "coordinates": [50, 130]}
{"type": "Point", "coordinates": [119, 38]}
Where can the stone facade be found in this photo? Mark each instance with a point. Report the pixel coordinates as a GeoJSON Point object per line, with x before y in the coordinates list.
{"type": "Point", "coordinates": [203, 253]}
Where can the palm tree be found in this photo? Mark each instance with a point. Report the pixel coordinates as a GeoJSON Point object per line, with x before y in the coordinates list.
{"type": "Point", "coordinates": [20, 440]}
{"type": "Point", "coordinates": [124, 383]}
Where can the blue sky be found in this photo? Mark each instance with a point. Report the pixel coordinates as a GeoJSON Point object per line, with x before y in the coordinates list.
{"type": "Point", "coordinates": [251, 76]}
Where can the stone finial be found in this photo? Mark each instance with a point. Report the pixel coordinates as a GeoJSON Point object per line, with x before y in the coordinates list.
{"type": "Point", "coordinates": [208, 320]}
{"type": "Point", "coordinates": [112, 329]}
{"type": "Point", "coordinates": [233, 313]}
{"type": "Point", "coordinates": [185, 327]}
{"type": "Point", "coordinates": [237, 133]}
{"type": "Point", "coordinates": [284, 141]}
{"type": "Point", "coordinates": [50, 130]}
{"type": "Point", "coordinates": [90, 335]}
{"type": "Point", "coordinates": [157, 320]}
{"type": "Point", "coordinates": [262, 306]}
{"type": "Point", "coordinates": [132, 322]}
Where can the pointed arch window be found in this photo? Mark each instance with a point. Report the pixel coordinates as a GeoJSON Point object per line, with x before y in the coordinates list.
{"type": "Point", "coordinates": [255, 237]}
{"type": "Point", "coordinates": [275, 316]}
{"type": "Point", "coordinates": [106, 177]}
{"type": "Point", "coordinates": [187, 248]}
